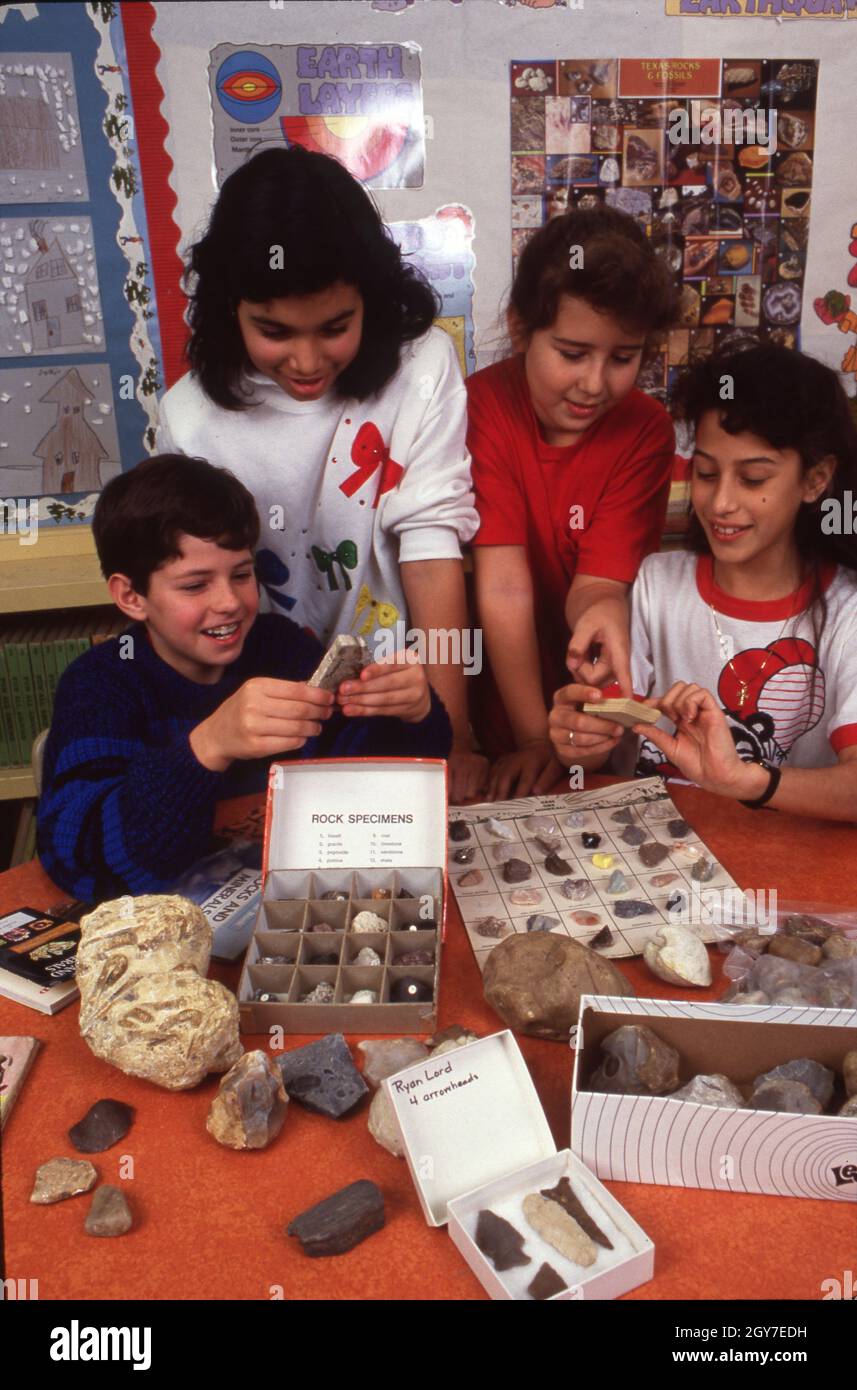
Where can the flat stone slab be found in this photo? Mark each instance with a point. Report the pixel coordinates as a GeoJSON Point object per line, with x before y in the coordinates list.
{"type": "Point", "coordinates": [322, 1076]}
{"type": "Point", "coordinates": [60, 1178]}
{"type": "Point", "coordinates": [341, 1221]}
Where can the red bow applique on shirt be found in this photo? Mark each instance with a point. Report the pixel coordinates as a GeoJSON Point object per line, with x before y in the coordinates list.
{"type": "Point", "coordinates": [370, 453]}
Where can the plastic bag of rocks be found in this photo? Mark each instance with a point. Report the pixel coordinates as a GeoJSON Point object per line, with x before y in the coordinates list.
{"type": "Point", "coordinates": [806, 934]}
{"type": "Point", "coordinates": [775, 979]}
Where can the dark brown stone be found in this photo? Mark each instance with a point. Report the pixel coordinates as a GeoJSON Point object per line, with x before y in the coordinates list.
{"type": "Point", "coordinates": [500, 1242]}
{"type": "Point", "coordinates": [546, 1283]}
{"type": "Point", "coordinates": [341, 1221]}
{"type": "Point", "coordinates": [653, 853]}
{"type": "Point", "coordinates": [516, 870]}
{"type": "Point", "coordinates": [565, 1195]}
{"type": "Point", "coordinates": [459, 830]}
{"type": "Point", "coordinates": [555, 864]}
{"type": "Point", "coordinates": [795, 948]}
{"type": "Point", "coordinates": [104, 1124]}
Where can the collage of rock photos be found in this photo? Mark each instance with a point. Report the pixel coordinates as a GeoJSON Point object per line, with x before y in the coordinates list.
{"type": "Point", "coordinates": [608, 875]}
{"type": "Point", "coordinates": [729, 216]}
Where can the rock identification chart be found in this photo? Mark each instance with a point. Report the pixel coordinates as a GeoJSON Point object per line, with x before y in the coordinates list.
{"type": "Point", "coordinates": [607, 867]}
{"type": "Point", "coordinates": [713, 157]}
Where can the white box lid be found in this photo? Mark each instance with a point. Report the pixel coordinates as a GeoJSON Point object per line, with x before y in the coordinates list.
{"type": "Point", "coordinates": [466, 1118]}
{"type": "Point", "coordinates": [356, 813]}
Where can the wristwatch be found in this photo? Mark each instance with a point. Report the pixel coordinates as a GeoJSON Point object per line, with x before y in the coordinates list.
{"type": "Point", "coordinates": [774, 774]}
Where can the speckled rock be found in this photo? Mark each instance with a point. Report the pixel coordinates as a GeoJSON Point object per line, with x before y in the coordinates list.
{"type": "Point", "coordinates": [369, 922]}
{"type": "Point", "coordinates": [559, 1230]}
{"type": "Point", "coordinates": [60, 1178]}
{"type": "Point", "coordinates": [535, 982]}
{"type": "Point", "coordinates": [250, 1106]}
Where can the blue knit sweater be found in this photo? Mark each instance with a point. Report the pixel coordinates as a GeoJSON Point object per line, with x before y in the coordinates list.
{"type": "Point", "coordinates": [125, 805]}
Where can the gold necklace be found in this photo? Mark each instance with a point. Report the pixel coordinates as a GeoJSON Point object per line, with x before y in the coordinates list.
{"type": "Point", "coordinates": [726, 643]}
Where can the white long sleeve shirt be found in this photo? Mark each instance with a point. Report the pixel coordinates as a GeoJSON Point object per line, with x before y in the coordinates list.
{"type": "Point", "coordinates": [346, 490]}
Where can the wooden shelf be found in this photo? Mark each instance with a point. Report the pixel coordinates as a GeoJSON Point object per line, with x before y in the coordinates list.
{"type": "Point", "coordinates": [60, 570]}
{"type": "Point", "coordinates": [16, 783]}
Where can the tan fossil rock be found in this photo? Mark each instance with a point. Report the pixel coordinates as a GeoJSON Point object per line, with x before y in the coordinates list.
{"type": "Point", "coordinates": [60, 1178]}
{"type": "Point", "coordinates": [145, 1006]}
{"type": "Point", "coordinates": [535, 982]}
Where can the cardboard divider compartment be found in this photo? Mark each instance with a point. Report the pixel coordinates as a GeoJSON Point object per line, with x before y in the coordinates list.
{"type": "Point", "coordinates": [656, 1139]}
{"type": "Point", "coordinates": [349, 828]}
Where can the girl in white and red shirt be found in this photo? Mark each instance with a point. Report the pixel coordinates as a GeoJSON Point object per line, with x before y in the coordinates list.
{"type": "Point", "coordinates": [748, 644]}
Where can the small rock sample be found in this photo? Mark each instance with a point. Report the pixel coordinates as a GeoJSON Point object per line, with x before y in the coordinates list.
{"type": "Point", "coordinates": [367, 956]}
{"type": "Point", "coordinates": [652, 853]}
{"type": "Point", "coordinates": [689, 851]}
{"type": "Point", "coordinates": [548, 844]}
{"type": "Point", "coordinates": [586, 919]}
{"type": "Point", "coordinates": [491, 927]}
{"type": "Point", "coordinates": [603, 861]}
{"type": "Point", "coordinates": [849, 1109]}
{"type": "Point", "coordinates": [791, 1097]}
{"type": "Point", "coordinates": [559, 1230]}
{"type": "Point", "coordinates": [389, 1055]}
{"type": "Point", "coordinates": [380, 895]}
{"type": "Point", "coordinates": [753, 941]}
{"type": "Point", "coordinates": [601, 940]}
{"type": "Point", "coordinates": [794, 948]}
{"type": "Point", "coordinates": [60, 1178]}
{"type": "Point", "coordinates": [617, 882]}
{"type": "Point", "coordinates": [103, 1125]}
{"type": "Point", "coordinates": [465, 856]}
{"type": "Point", "coordinates": [110, 1214]}
{"type": "Point", "coordinates": [409, 990]}
{"type": "Point", "coordinates": [564, 1194]}
{"type": "Point", "coordinates": [555, 864]}
{"type": "Point", "coordinates": [334, 895]}
{"type": "Point", "coordinates": [250, 1106]}
{"type": "Point", "coordinates": [677, 955]}
{"type": "Point", "coordinates": [498, 829]}
{"type": "Point", "coordinates": [264, 996]}
{"type": "Point", "coordinates": [849, 1073]}
{"type": "Point", "coordinates": [448, 1039]}
{"type": "Point", "coordinates": [542, 825]}
{"type": "Point", "coordinates": [322, 1076]}
{"type": "Point", "coordinates": [516, 871]}
{"type": "Point", "coordinates": [840, 947]}
{"type": "Point", "coordinates": [145, 1005]}
{"type": "Point", "coordinates": [273, 960]}
{"type": "Point", "coordinates": [545, 1284]}
{"type": "Point", "coordinates": [633, 835]}
{"type": "Point", "coordinates": [540, 921]}
{"type": "Point", "coordinates": [590, 840]}
{"type": "Point", "coordinates": [625, 816]}
{"type": "Point", "coordinates": [459, 830]}
{"type": "Point", "coordinates": [323, 926]}
{"type": "Point", "coordinates": [502, 853]}
{"type": "Point", "coordinates": [363, 996]}
{"type": "Point", "coordinates": [715, 1089]}
{"type": "Point", "coordinates": [525, 897]}
{"type": "Point", "coordinates": [575, 819]}
{"type": "Point", "coordinates": [703, 870]}
{"type": "Point", "coordinates": [341, 1221]}
{"type": "Point", "coordinates": [812, 929]}
{"type": "Point", "coordinates": [323, 993]}
{"type": "Point", "coordinates": [678, 828]}
{"type": "Point", "coordinates": [636, 1062]}
{"type": "Point", "coordinates": [423, 955]}
{"type": "Point", "coordinates": [369, 921]}
{"type": "Point", "coordinates": [383, 1125]}
{"type": "Point", "coordinates": [633, 907]}
{"type": "Point", "coordinates": [657, 811]}
{"type": "Point", "coordinates": [471, 879]}
{"type": "Point", "coordinates": [661, 880]}
{"type": "Point", "coordinates": [499, 1241]}
{"type": "Point", "coordinates": [818, 1079]}
{"type": "Point", "coordinates": [577, 890]}
{"type": "Point", "coordinates": [535, 980]}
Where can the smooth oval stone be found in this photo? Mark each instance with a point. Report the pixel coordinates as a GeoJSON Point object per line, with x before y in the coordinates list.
{"type": "Point", "coordinates": [652, 854]}
{"type": "Point", "coordinates": [590, 840]}
{"type": "Point", "coordinates": [632, 907]}
{"type": "Point", "coordinates": [625, 816]}
{"type": "Point", "coordinates": [555, 864]}
{"type": "Point", "coordinates": [498, 829]}
{"type": "Point", "coordinates": [541, 922]}
{"type": "Point", "coordinates": [322, 994]}
{"type": "Point", "coordinates": [703, 870]}
{"type": "Point", "coordinates": [459, 830]}
{"type": "Point", "coordinates": [367, 956]}
{"type": "Point", "coordinates": [491, 927]}
{"type": "Point", "coordinates": [678, 828]}
{"type": "Point", "coordinates": [327, 958]}
{"type": "Point", "coordinates": [464, 856]}
{"type": "Point", "coordinates": [603, 861]}
{"type": "Point", "coordinates": [661, 880]}
{"type": "Point", "coordinates": [410, 991]}
{"type": "Point", "coordinates": [577, 890]}
{"type": "Point", "coordinates": [525, 897]}
{"type": "Point", "coordinates": [110, 1214]}
{"type": "Point", "coordinates": [633, 835]}
{"type": "Point", "coordinates": [515, 871]}
{"type": "Point", "coordinates": [104, 1124]}
{"type": "Point", "coordinates": [471, 879]}
{"type": "Point", "coordinates": [586, 919]}
{"type": "Point", "coordinates": [575, 819]}
{"type": "Point", "coordinates": [364, 996]}
{"type": "Point", "coordinates": [617, 883]}
{"type": "Point", "coordinates": [422, 956]}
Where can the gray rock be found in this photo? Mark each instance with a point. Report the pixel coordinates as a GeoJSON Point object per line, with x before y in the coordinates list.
{"type": "Point", "coordinates": [341, 1221]}
{"type": "Point", "coordinates": [791, 1097]}
{"type": "Point", "coordinates": [818, 1079]}
{"type": "Point", "coordinates": [322, 1076]}
{"type": "Point", "coordinates": [383, 1125]}
{"type": "Point", "coordinates": [323, 993]}
{"type": "Point", "coordinates": [110, 1214]}
{"type": "Point", "coordinates": [250, 1106]}
{"type": "Point", "coordinates": [540, 921]}
{"type": "Point", "coordinates": [715, 1089]}
{"type": "Point", "coordinates": [633, 835]}
{"type": "Point", "coordinates": [385, 1057]}
{"type": "Point", "coordinates": [104, 1124]}
{"type": "Point", "coordinates": [636, 1062]}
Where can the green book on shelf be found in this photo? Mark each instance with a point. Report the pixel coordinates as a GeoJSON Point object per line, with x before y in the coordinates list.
{"type": "Point", "coordinates": [20, 748]}
{"type": "Point", "coordinates": [22, 692]}
{"type": "Point", "coordinates": [6, 757]}
{"type": "Point", "coordinates": [40, 677]}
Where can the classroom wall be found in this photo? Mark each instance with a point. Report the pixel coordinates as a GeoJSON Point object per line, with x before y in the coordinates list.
{"type": "Point", "coordinates": [466, 50]}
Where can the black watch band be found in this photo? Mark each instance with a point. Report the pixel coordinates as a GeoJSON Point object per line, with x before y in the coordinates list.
{"type": "Point", "coordinates": [774, 774]}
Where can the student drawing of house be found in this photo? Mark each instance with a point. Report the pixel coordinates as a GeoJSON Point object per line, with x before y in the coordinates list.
{"type": "Point", "coordinates": [71, 452]}
{"type": "Point", "coordinates": [53, 296]}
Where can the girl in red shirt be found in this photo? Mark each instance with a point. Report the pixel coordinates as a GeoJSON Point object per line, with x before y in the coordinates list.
{"type": "Point", "coordinates": [571, 468]}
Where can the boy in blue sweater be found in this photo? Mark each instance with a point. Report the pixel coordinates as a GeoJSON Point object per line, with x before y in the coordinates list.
{"type": "Point", "coordinates": [192, 703]}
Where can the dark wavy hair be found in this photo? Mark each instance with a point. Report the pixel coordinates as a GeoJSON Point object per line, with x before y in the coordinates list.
{"type": "Point", "coordinates": [140, 514]}
{"type": "Point", "coordinates": [330, 231]}
{"type": "Point", "coordinates": [620, 275]}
